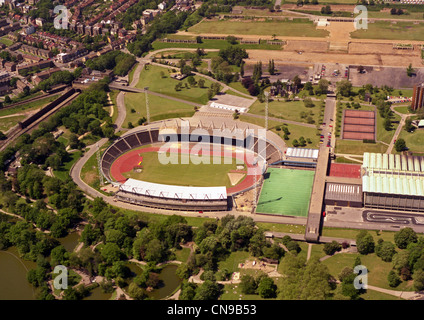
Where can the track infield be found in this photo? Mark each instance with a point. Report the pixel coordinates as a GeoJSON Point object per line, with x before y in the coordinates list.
{"type": "Point", "coordinates": [286, 192]}
{"type": "Point", "coordinates": [196, 175]}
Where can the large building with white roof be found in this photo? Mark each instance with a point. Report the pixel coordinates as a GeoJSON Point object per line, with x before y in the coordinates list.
{"type": "Point", "coordinates": [394, 182]}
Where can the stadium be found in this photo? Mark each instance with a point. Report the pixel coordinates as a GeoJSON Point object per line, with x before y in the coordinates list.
{"type": "Point", "coordinates": [207, 163]}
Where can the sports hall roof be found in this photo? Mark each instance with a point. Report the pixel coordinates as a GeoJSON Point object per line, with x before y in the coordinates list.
{"type": "Point", "coordinates": [302, 153]}
{"type": "Point", "coordinates": [173, 192]}
{"type": "Point", "coordinates": [393, 174]}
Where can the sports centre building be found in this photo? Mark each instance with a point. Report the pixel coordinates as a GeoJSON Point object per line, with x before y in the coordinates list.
{"type": "Point", "coordinates": [394, 182]}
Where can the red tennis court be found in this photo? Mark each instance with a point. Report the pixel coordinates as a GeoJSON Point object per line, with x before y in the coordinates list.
{"type": "Point", "coordinates": [345, 170]}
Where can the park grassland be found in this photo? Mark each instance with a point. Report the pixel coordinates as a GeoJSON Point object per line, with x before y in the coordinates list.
{"type": "Point", "coordinates": [293, 28]}
{"type": "Point", "coordinates": [12, 116]}
{"type": "Point", "coordinates": [152, 78]}
{"type": "Point", "coordinates": [358, 147]}
{"type": "Point", "coordinates": [196, 175]}
{"type": "Point", "coordinates": [414, 141]}
{"type": "Point", "coordinates": [159, 108]}
{"type": "Point", "coordinates": [388, 31]}
{"type": "Point", "coordinates": [289, 110]}
{"type": "Point", "coordinates": [211, 44]}
{"type": "Point", "coordinates": [296, 131]}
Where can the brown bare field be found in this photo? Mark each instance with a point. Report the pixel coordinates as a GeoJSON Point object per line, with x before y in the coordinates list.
{"type": "Point", "coordinates": [303, 45]}
{"type": "Point", "coordinates": [334, 57]}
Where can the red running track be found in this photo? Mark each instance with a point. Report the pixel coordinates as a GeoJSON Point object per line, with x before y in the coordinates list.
{"type": "Point", "coordinates": [129, 160]}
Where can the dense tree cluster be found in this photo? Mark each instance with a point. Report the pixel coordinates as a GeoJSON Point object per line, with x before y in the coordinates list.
{"type": "Point", "coordinates": [118, 61]}
{"type": "Point", "coordinates": [169, 22]}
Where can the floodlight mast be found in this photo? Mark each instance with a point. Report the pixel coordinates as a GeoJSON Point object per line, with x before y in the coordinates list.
{"type": "Point", "coordinates": [146, 89]}
{"type": "Point", "coordinates": [99, 165]}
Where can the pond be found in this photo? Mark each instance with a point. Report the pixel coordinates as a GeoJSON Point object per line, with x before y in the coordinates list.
{"type": "Point", "coordinates": [13, 276]}
{"type": "Point", "coordinates": [70, 241]}
{"type": "Point", "coordinates": [169, 280]}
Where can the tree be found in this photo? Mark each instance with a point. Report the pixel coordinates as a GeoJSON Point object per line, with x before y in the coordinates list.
{"type": "Point", "coordinates": [266, 287]}
{"type": "Point", "coordinates": [248, 284]}
{"type": "Point", "coordinates": [418, 280]}
{"type": "Point", "coordinates": [242, 68]}
{"type": "Point", "coordinates": [393, 279]}
{"type": "Point", "coordinates": [308, 103]}
{"type": "Point", "coordinates": [201, 83]}
{"type": "Point", "coordinates": [326, 10]}
{"type": "Point", "coordinates": [209, 290]}
{"type": "Point", "coordinates": [135, 292]}
{"type": "Point", "coordinates": [111, 253]}
{"type": "Point", "coordinates": [365, 242]}
{"type": "Point", "coordinates": [408, 125]}
{"type": "Point", "coordinates": [404, 237]}
{"type": "Point", "coordinates": [331, 248]}
{"type": "Point", "coordinates": [410, 71]}
{"type": "Point", "coordinates": [400, 145]}
{"type": "Point", "coordinates": [347, 271]}
{"type": "Point", "coordinates": [387, 124]}
{"type": "Point", "coordinates": [385, 250]}
{"type": "Point", "coordinates": [271, 67]}
{"type": "Point", "coordinates": [344, 87]}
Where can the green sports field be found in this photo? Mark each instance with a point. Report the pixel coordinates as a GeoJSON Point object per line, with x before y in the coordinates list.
{"type": "Point", "coordinates": [286, 192]}
{"type": "Point", "coordinates": [195, 175]}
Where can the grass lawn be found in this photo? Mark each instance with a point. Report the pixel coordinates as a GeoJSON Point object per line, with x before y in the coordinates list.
{"type": "Point", "coordinates": [131, 73]}
{"type": "Point", "coordinates": [28, 106]}
{"type": "Point", "coordinates": [7, 123]}
{"type": "Point", "coordinates": [183, 254]}
{"type": "Point", "coordinates": [290, 110]}
{"type": "Point", "coordinates": [6, 41]}
{"type": "Point", "coordinates": [402, 109]}
{"type": "Point", "coordinates": [113, 95]}
{"type": "Point", "coordinates": [386, 30]}
{"type": "Point", "coordinates": [352, 233]}
{"type": "Point", "coordinates": [210, 44]}
{"type": "Point", "coordinates": [63, 172]}
{"type": "Point", "coordinates": [295, 28]}
{"type": "Point", "coordinates": [414, 141]}
{"type": "Point", "coordinates": [152, 78]}
{"type": "Point", "coordinates": [377, 269]}
{"type": "Point", "coordinates": [160, 108]}
{"type": "Point", "coordinates": [296, 131]}
{"type": "Point", "coordinates": [238, 86]}
{"type": "Point", "coordinates": [233, 93]}
{"type": "Point", "coordinates": [383, 134]}
{"type": "Point", "coordinates": [197, 175]}
{"type": "Point", "coordinates": [233, 260]}
{"type": "Point", "coordinates": [277, 227]}
{"type": "Point", "coordinates": [233, 292]}
{"type": "Point", "coordinates": [90, 171]}
{"type": "Point", "coordinates": [358, 147]}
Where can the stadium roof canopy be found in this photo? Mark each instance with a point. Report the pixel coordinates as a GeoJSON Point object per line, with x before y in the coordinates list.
{"type": "Point", "coordinates": [173, 192]}
{"type": "Point", "coordinates": [302, 153]}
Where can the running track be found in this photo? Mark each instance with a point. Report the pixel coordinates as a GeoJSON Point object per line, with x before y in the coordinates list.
{"type": "Point", "coordinates": [129, 160]}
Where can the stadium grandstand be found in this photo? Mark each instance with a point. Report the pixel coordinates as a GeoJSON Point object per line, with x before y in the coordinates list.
{"type": "Point", "coordinates": [394, 182]}
{"type": "Point", "coordinates": [266, 148]}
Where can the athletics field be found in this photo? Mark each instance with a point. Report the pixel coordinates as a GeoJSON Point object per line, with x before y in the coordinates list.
{"type": "Point", "coordinates": [286, 192]}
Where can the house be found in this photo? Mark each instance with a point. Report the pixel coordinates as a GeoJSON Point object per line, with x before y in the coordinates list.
{"type": "Point", "coordinates": [162, 6]}
{"type": "Point", "coordinates": [10, 66]}
{"type": "Point", "coordinates": [39, 22]}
